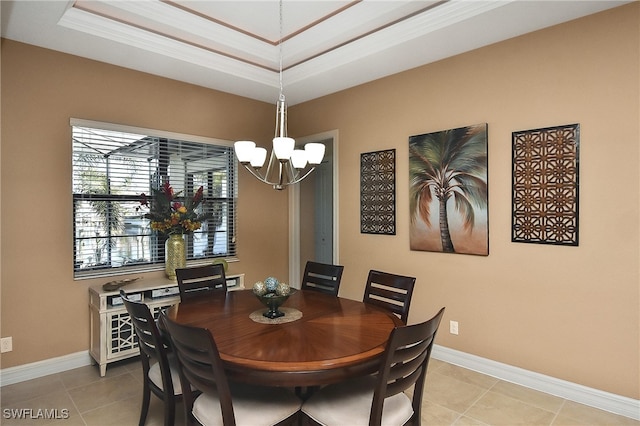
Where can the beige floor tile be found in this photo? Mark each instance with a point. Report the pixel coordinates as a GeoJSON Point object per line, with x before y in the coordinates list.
{"type": "Point", "coordinates": [435, 364]}
{"type": "Point", "coordinates": [43, 410]}
{"type": "Point", "coordinates": [468, 376]}
{"type": "Point", "coordinates": [118, 367]}
{"type": "Point", "coordinates": [434, 414]}
{"type": "Point", "coordinates": [467, 421]}
{"type": "Point", "coordinates": [105, 391]}
{"type": "Point", "coordinates": [530, 396]}
{"type": "Point", "coordinates": [29, 389]}
{"type": "Point", "coordinates": [451, 393]}
{"type": "Point", "coordinates": [497, 409]}
{"type": "Point", "coordinates": [81, 376]}
{"type": "Point", "coordinates": [156, 413]}
{"type": "Point", "coordinates": [592, 416]}
{"type": "Point", "coordinates": [119, 413]}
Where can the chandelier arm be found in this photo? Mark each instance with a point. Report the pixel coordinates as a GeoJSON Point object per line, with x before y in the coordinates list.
{"type": "Point", "coordinates": [255, 173]}
{"type": "Point", "coordinates": [282, 171]}
{"type": "Point", "coordinates": [307, 173]}
{"type": "Point", "coordinates": [272, 159]}
{"type": "Point", "coordinates": [293, 173]}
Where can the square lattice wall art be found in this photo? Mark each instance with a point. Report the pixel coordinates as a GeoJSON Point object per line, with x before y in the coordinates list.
{"type": "Point", "coordinates": [378, 192]}
{"type": "Point", "coordinates": [545, 184]}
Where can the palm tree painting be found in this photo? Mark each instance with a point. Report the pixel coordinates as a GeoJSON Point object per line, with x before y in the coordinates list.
{"type": "Point", "coordinates": [448, 191]}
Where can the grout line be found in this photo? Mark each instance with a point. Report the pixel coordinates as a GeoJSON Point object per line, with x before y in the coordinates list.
{"type": "Point", "coordinates": [84, 422]}
{"type": "Point", "coordinates": [486, 391]}
{"type": "Point", "coordinates": [557, 413]}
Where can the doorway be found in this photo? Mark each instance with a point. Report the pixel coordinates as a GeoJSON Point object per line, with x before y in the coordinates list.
{"type": "Point", "coordinates": [313, 212]}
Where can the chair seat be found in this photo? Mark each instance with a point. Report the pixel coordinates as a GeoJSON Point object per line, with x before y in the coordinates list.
{"type": "Point", "coordinates": [155, 375]}
{"type": "Point", "coordinates": [349, 403]}
{"type": "Point", "coordinates": [252, 405]}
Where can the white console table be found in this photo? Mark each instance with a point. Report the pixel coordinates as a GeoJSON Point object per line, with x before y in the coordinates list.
{"type": "Point", "coordinates": [112, 335]}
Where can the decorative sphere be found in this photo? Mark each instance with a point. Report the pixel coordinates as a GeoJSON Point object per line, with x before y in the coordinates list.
{"type": "Point", "coordinates": [259, 288]}
{"type": "Point", "coordinates": [271, 283]}
{"type": "Point", "coordinates": [283, 289]}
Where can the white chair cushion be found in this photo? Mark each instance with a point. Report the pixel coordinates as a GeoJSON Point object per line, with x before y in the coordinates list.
{"type": "Point", "coordinates": [349, 403]}
{"type": "Point", "coordinates": [155, 375]}
{"type": "Point", "coordinates": [252, 405]}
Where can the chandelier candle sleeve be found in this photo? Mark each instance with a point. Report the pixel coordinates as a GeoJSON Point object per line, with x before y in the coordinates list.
{"type": "Point", "coordinates": [244, 150]}
{"type": "Point", "coordinates": [258, 157]}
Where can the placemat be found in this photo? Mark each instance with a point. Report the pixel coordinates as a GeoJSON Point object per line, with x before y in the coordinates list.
{"type": "Point", "coordinates": [290, 315]}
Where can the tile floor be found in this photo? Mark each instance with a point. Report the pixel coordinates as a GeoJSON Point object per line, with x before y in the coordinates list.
{"type": "Point", "coordinates": [453, 396]}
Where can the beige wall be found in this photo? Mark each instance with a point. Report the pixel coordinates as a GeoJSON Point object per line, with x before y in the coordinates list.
{"type": "Point", "coordinates": [43, 308]}
{"type": "Point", "coordinates": [568, 312]}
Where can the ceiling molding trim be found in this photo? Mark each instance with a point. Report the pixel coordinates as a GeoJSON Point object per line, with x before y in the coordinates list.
{"type": "Point", "coordinates": [443, 16]}
{"type": "Point", "coordinates": [99, 26]}
{"type": "Point", "coordinates": [213, 35]}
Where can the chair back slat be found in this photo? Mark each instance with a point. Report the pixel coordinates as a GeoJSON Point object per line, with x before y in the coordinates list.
{"type": "Point", "coordinates": [201, 280]}
{"type": "Point", "coordinates": [390, 291]}
{"type": "Point", "coordinates": [144, 326]}
{"type": "Point", "coordinates": [322, 277]}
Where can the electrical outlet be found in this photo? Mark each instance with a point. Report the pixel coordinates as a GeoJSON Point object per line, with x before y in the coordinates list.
{"type": "Point", "coordinates": [453, 327]}
{"type": "Point", "coordinates": [6, 344]}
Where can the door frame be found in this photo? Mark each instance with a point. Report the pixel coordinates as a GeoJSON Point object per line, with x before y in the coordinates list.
{"type": "Point", "coordinates": [294, 211]}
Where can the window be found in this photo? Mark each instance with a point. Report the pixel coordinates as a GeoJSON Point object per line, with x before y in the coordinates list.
{"type": "Point", "coordinates": [113, 165]}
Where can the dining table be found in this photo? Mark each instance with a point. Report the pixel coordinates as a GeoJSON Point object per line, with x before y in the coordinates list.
{"type": "Point", "coordinates": [321, 338]}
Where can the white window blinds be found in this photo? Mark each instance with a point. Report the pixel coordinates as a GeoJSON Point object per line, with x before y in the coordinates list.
{"type": "Point", "coordinates": [114, 165]}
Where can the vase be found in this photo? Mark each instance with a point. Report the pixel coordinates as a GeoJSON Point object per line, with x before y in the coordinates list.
{"type": "Point", "coordinates": [175, 255]}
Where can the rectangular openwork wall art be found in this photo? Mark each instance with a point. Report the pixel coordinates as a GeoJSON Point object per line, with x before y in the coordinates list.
{"type": "Point", "coordinates": [378, 192]}
{"type": "Point", "coordinates": [448, 191]}
{"type": "Point", "coordinates": [545, 185]}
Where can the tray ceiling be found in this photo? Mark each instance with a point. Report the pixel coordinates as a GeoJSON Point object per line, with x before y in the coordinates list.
{"type": "Point", "coordinates": [234, 46]}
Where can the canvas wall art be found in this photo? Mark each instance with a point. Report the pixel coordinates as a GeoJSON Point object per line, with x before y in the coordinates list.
{"type": "Point", "coordinates": [448, 191]}
{"type": "Point", "coordinates": [378, 192]}
{"type": "Point", "coordinates": [545, 185]}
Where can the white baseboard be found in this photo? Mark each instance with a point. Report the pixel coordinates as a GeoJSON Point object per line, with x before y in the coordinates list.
{"type": "Point", "coordinates": [613, 403]}
{"type": "Point", "coordinates": [20, 373]}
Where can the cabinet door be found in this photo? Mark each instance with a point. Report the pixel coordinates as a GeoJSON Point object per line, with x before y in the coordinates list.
{"type": "Point", "coordinates": [122, 340]}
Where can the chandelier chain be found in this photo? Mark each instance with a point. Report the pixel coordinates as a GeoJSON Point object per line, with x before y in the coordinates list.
{"type": "Point", "coordinates": [280, 48]}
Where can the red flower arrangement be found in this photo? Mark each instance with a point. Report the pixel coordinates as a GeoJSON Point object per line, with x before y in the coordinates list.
{"type": "Point", "coordinates": [169, 215]}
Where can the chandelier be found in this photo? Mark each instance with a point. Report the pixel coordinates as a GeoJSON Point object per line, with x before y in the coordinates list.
{"type": "Point", "coordinates": [287, 164]}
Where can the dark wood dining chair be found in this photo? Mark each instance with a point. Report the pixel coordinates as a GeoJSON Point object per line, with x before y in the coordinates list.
{"type": "Point", "coordinates": [322, 277]}
{"type": "Point", "coordinates": [390, 291]}
{"type": "Point", "coordinates": [201, 280]}
{"type": "Point", "coordinates": [160, 372]}
{"type": "Point", "coordinates": [380, 399]}
{"type": "Point", "coordinates": [222, 402]}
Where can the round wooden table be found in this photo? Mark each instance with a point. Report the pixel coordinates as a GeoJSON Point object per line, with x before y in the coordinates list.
{"type": "Point", "coordinates": [334, 340]}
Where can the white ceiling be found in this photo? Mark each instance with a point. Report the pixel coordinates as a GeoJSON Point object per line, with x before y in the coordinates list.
{"type": "Point", "coordinates": [234, 46]}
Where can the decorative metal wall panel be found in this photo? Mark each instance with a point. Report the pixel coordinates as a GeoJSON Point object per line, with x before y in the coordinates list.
{"type": "Point", "coordinates": [378, 192]}
{"type": "Point", "coordinates": [545, 185]}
